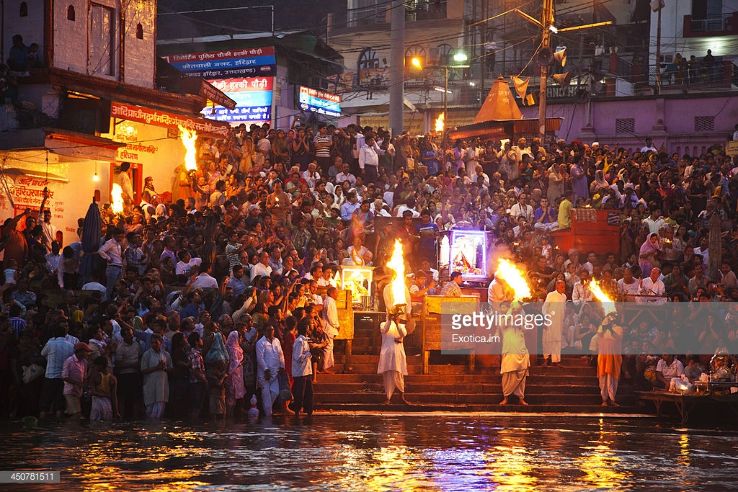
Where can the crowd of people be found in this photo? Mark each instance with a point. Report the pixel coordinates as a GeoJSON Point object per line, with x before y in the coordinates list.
{"type": "Point", "coordinates": [221, 301]}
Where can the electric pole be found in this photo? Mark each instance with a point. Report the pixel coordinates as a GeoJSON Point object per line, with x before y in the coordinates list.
{"type": "Point", "coordinates": [397, 67]}
{"type": "Point", "coordinates": [547, 21]}
{"type": "Point", "coordinates": [548, 27]}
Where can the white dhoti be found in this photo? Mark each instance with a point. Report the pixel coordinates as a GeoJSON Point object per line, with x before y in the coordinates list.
{"type": "Point", "coordinates": [552, 342]}
{"type": "Point", "coordinates": [513, 383]}
{"type": "Point", "coordinates": [269, 393]}
{"type": "Point", "coordinates": [155, 411]}
{"type": "Point", "coordinates": [328, 359]}
{"type": "Point", "coordinates": [550, 226]}
{"type": "Point", "coordinates": [608, 387]}
{"type": "Point", "coordinates": [393, 380]}
{"type": "Point", "coordinates": [102, 409]}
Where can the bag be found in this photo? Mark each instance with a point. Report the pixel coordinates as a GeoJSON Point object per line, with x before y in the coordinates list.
{"type": "Point", "coordinates": [285, 394]}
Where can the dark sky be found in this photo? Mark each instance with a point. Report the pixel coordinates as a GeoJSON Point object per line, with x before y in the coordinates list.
{"type": "Point", "coordinates": [289, 14]}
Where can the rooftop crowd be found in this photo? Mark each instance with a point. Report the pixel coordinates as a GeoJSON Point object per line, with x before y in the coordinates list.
{"type": "Point", "coordinates": [205, 297]}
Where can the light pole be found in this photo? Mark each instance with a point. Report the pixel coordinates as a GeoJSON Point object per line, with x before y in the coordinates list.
{"type": "Point", "coordinates": [459, 59]}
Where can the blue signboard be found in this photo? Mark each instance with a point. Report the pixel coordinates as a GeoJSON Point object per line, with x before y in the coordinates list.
{"type": "Point", "coordinates": [253, 96]}
{"type": "Point", "coordinates": [320, 102]}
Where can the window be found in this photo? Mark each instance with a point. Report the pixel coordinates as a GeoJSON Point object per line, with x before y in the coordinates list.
{"type": "Point", "coordinates": [704, 123]}
{"type": "Point", "coordinates": [23, 9]}
{"type": "Point", "coordinates": [139, 31]}
{"type": "Point", "coordinates": [624, 126]}
{"type": "Point", "coordinates": [71, 14]}
{"type": "Point", "coordinates": [101, 59]}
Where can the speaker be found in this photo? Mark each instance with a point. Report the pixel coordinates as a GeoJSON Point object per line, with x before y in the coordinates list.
{"type": "Point", "coordinates": [562, 78]}
{"type": "Point", "coordinates": [560, 57]}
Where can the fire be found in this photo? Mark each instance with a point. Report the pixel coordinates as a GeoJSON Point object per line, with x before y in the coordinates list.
{"type": "Point", "coordinates": [116, 195]}
{"type": "Point", "coordinates": [189, 137]}
{"type": "Point", "coordinates": [514, 277]}
{"type": "Point", "coordinates": [440, 122]}
{"type": "Point", "coordinates": [397, 264]}
{"type": "Point", "coordinates": [608, 305]}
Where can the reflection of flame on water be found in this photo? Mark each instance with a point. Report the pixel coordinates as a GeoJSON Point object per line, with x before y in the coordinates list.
{"type": "Point", "coordinates": [116, 196]}
{"type": "Point", "coordinates": [608, 305]}
{"type": "Point", "coordinates": [189, 138]}
{"type": "Point", "coordinates": [512, 467]}
{"type": "Point", "coordinates": [397, 264]}
{"type": "Point", "coordinates": [513, 276]}
{"type": "Point", "coordinates": [440, 122]}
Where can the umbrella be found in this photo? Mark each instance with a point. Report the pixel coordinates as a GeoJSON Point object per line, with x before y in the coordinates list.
{"type": "Point", "coordinates": [91, 229]}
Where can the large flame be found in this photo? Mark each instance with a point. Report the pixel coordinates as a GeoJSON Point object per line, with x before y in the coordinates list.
{"type": "Point", "coordinates": [189, 138]}
{"type": "Point", "coordinates": [116, 195]}
{"type": "Point", "coordinates": [608, 305]}
{"type": "Point", "coordinates": [397, 264]}
{"type": "Point", "coordinates": [440, 123]}
{"type": "Point", "coordinates": [513, 276]}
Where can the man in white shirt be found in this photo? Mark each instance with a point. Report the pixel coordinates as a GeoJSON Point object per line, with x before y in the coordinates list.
{"type": "Point", "coordinates": [262, 268]}
{"type": "Point", "coordinates": [345, 175]}
{"type": "Point", "coordinates": [302, 372]}
{"type": "Point", "coordinates": [649, 146]}
{"type": "Point", "coordinates": [408, 206]}
{"type": "Point", "coordinates": [112, 253]}
{"type": "Point", "coordinates": [204, 281]}
{"type": "Point", "coordinates": [653, 286]}
{"type": "Point", "coordinates": [522, 209]}
{"type": "Point", "coordinates": [668, 367]}
{"type": "Point", "coordinates": [311, 175]}
{"type": "Point", "coordinates": [330, 315]}
{"type": "Point", "coordinates": [269, 363]}
{"type": "Point", "coordinates": [654, 222]}
{"type": "Point", "coordinates": [369, 160]}
{"type": "Point", "coordinates": [186, 263]}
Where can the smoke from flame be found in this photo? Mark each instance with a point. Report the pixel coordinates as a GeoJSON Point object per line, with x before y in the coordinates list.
{"type": "Point", "coordinates": [397, 264]}
{"type": "Point", "coordinates": [513, 276]}
{"type": "Point", "coordinates": [440, 122]}
{"type": "Point", "coordinates": [116, 196]}
{"type": "Point", "coordinates": [608, 305]}
{"type": "Point", "coordinates": [188, 138]}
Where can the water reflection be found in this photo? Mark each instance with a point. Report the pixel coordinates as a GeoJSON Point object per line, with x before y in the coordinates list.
{"type": "Point", "coordinates": [377, 453]}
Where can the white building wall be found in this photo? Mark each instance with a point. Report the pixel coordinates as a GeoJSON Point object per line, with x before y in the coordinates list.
{"type": "Point", "coordinates": [30, 27]}
{"type": "Point", "coordinates": [672, 33]}
{"type": "Point", "coordinates": [70, 37]}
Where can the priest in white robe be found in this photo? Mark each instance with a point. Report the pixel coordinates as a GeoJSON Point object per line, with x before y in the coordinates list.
{"type": "Point", "coordinates": [269, 362]}
{"type": "Point", "coordinates": [555, 307]}
{"type": "Point", "coordinates": [330, 315]}
{"type": "Point", "coordinates": [392, 359]}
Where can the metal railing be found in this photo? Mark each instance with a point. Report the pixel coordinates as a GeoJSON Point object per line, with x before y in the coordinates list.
{"type": "Point", "coordinates": [718, 23]}
{"type": "Point", "coordinates": [376, 14]}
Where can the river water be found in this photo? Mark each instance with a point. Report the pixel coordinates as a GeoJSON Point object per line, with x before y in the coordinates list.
{"type": "Point", "coordinates": [343, 452]}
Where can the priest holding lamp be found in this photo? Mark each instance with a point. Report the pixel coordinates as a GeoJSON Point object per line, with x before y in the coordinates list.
{"type": "Point", "coordinates": [392, 359]}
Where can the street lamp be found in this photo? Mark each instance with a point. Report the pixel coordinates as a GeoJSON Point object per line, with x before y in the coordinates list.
{"type": "Point", "coordinates": [459, 60]}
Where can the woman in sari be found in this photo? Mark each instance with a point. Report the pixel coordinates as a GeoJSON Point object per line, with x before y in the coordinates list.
{"type": "Point", "coordinates": [648, 256]}
{"type": "Point", "coordinates": [235, 389]}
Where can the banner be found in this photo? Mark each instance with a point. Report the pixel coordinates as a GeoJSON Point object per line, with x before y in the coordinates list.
{"type": "Point", "coordinates": [226, 63]}
{"type": "Point", "coordinates": [253, 96]}
{"type": "Point", "coordinates": [320, 102]}
{"type": "Point", "coordinates": [165, 119]}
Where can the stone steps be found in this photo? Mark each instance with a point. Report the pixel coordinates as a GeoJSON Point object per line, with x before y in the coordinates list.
{"type": "Point", "coordinates": [512, 408]}
{"type": "Point", "coordinates": [459, 398]}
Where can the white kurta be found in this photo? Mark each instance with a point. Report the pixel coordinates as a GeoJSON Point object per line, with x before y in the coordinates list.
{"type": "Point", "coordinates": [269, 355]}
{"type": "Point", "coordinates": [330, 310]}
{"type": "Point", "coordinates": [554, 306]}
{"type": "Point", "coordinates": [392, 354]}
{"type": "Point", "coordinates": [155, 384]}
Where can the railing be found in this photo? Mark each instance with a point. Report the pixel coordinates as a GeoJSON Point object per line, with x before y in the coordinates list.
{"type": "Point", "coordinates": [377, 14]}
{"type": "Point", "coordinates": [717, 25]}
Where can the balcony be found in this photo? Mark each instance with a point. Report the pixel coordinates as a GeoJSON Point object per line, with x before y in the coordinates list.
{"type": "Point", "coordinates": [379, 13]}
{"type": "Point", "coordinates": [721, 25]}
